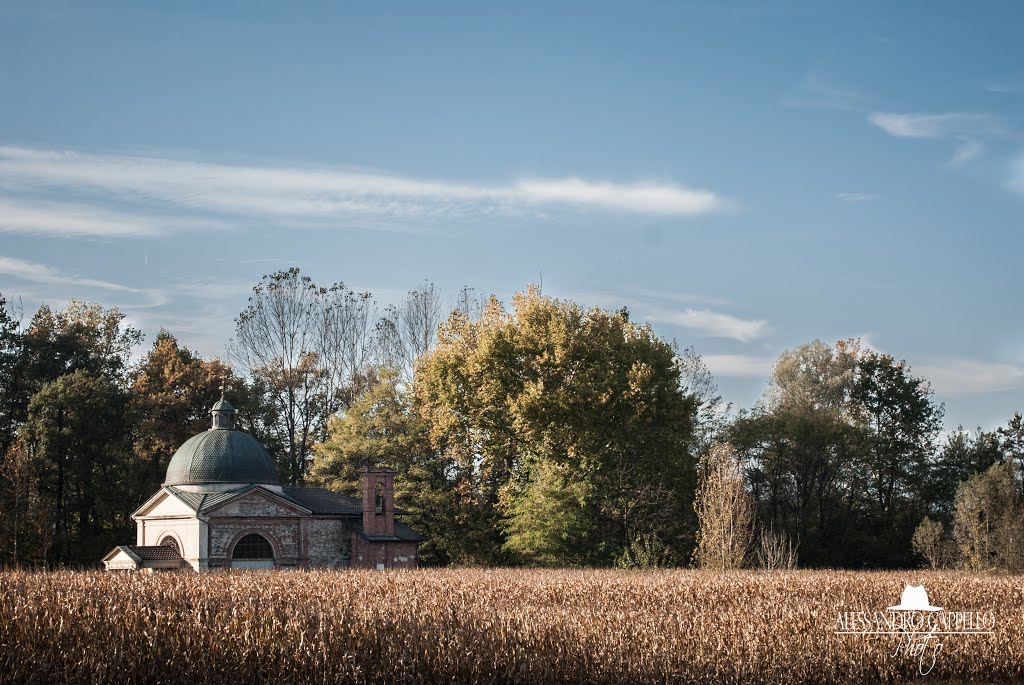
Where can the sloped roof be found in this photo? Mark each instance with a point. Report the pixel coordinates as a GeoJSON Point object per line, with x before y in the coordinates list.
{"type": "Point", "coordinates": [324, 501]}
{"type": "Point", "coordinates": [204, 501]}
{"type": "Point", "coordinates": [154, 552]}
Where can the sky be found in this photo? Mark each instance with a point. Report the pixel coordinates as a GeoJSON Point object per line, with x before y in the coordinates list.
{"type": "Point", "coordinates": [745, 177]}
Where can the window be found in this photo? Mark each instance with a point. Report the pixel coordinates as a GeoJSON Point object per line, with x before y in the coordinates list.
{"type": "Point", "coordinates": [380, 498]}
{"type": "Point", "coordinates": [253, 546]}
{"type": "Point", "coordinates": [172, 543]}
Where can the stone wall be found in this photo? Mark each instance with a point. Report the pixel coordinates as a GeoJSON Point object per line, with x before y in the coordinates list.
{"type": "Point", "coordinates": [328, 542]}
{"type": "Point", "coordinates": [283, 534]}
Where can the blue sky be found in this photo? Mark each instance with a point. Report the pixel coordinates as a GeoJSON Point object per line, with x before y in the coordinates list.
{"type": "Point", "coordinates": [746, 177]}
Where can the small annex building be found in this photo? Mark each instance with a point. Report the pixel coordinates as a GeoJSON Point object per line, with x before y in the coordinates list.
{"type": "Point", "coordinates": [222, 506]}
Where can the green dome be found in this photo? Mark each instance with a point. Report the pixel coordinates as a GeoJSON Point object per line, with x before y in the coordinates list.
{"type": "Point", "coordinates": [223, 405]}
{"type": "Point", "coordinates": [221, 456]}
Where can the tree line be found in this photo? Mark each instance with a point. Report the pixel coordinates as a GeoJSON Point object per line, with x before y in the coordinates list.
{"type": "Point", "coordinates": [539, 432]}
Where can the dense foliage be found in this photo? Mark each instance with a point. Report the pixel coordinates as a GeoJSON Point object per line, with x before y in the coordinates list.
{"type": "Point", "coordinates": [544, 433]}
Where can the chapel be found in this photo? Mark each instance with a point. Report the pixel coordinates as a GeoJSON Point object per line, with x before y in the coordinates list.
{"type": "Point", "coordinates": [222, 506]}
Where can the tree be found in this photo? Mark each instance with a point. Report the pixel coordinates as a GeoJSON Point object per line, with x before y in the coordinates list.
{"type": "Point", "coordinates": [79, 442]}
{"type": "Point", "coordinates": [725, 511]}
{"type": "Point", "coordinates": [989, 520]}
{"type": "Point", "coordinates": [172, 392]}
{"type": "Point", "coordinates": [382, 428]}
{"type": "Point", "coordinates": [25, 520]}
{"type": "Point", "coordinates": [841, 453]}
{"type": "Point", "coordinates": [902, 424]}
{"type": "Point", "coordinates": [13, 396]}
{"type": "Point", "coordinates": [930, 542]}
{"type": "Point", "coordinates": [515, 401]}
{"type": "Point", "coordinates": [963, 455]}
{"type": "Point", "coordinates": [305, 349]}
{"type": "Point", "coordinates": [81, 336]}
{"type": "Point", "coordinates": [408, 331]}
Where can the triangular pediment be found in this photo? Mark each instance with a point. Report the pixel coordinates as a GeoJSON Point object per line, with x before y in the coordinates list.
{"type": "Point", "coordinates": [164, 503]}
{"type": "Point", "coordinates": [121, 558]}
{"type": "Point", "coordinates": [257, 501]}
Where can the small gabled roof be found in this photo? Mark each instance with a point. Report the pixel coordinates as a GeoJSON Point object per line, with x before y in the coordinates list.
{"type": "Point", "coordinates": [154, 552]}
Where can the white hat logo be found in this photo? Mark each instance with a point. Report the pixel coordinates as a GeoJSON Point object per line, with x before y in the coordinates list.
{"type": "Point", "coordinates": [914, 598]}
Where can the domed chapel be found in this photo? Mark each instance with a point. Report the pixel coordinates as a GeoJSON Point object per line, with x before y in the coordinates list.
{"type": "Point", "coordinates": [222, 506]}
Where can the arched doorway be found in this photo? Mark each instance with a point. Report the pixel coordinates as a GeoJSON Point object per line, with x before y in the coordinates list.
{"type": "Point", "coordinates": [252, 551]}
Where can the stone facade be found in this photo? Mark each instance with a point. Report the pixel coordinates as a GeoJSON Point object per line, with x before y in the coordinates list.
{"type": "Point", "coordinates": [207, 516]}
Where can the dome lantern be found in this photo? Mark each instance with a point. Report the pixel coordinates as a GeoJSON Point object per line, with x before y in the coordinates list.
{"type": "Point", "coordinates": [223, 413]}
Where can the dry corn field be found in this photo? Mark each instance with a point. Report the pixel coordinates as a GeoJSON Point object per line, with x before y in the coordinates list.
{"type": "Point", "coordinates": [488, 626]}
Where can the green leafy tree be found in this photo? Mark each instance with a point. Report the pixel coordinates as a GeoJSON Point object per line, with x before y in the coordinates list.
{"type": "Point", "coordinates": [79, 442]}
{"type": "Point", "coordinates": [989, 520]}
{"type": "Point", "coordinates": [13, 393]}
{"type": "Point", "coordinates": [512, 399]}
{"type": "Point", "coordinates": [842, 454]}
{"type": "Point", "coordinates": [930, 542]}
{"type": "Point", "coordinates": [382, 428]}
{"type": "Point", "coordinates": [902, 423]}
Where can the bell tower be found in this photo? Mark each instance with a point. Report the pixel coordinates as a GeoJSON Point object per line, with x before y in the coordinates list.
{"type": "Point", "coordinates": [378, 488]}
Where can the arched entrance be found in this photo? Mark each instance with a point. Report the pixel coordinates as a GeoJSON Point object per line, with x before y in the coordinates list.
{"type": "Point", "coordinates": [252, 551]}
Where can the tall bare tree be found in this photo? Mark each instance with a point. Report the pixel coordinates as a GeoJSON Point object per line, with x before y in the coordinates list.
{"type": "Point", "coordinates": [409, 330]}
{"type": "Point", "coordinates": [278, 342]}
{"type": "Point", "coordinates": [725, 511]}
{"type": "Point", "coordinates": [347, 342]}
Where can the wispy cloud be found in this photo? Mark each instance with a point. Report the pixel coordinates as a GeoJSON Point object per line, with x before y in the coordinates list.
{"type": "Point", "coordinates": [937, 126]}
{"type": "Point", "coordinates": [1006, 87]}
{"type": "Point", "coordinates": [712, 323]}
{"type": "Point", "coordinates": [62, 219]}
{"type": "Point", "coordinates": [739, 365]}
{"type": "Point", "coordinates": [817, 92]}
{"type": "Point", "coordinates": [961, 376]}
{"type": "Point", "coordinates": [856, 197]}
{"type": "Point", "coordinates": [970, 132]}
{"type": "Point", "coordinates": [324, 194]}
{"type": "Point", "coordinates": [35, 272]}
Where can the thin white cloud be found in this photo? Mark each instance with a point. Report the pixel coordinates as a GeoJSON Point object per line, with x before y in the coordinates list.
{"type": "Point", "coordinates": [649, 198]}
{"type": "Point", "coordinates": [739, 365]}
{"type": "Point", "coordinates": [324, 194]}
{"type": "Point", "coordinates": [962, 376]}
{"type": "Point", "coordinates": [678, 296]}
{"type": "Point", "coordinates": [62, 219]}
{"type": "Point", "coordinates": [815, 91]}
{"type": "Point", "coordinates": [35, 272]}
{"type": "Point", "coordinates": [856, 197]}
{"type": "Point", "coordinates": [937, 126]}
{"type": "Point", "coordinates": [715, 324]}
{"type": "Point", "coordinates": [966, 151]}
